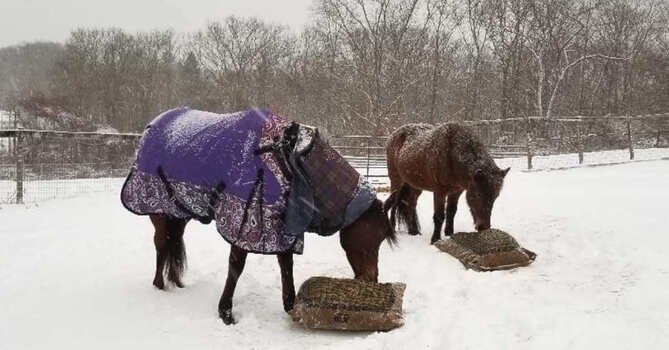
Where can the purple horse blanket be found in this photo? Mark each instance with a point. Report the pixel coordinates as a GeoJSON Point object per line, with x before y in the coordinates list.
{"type": "Point", "coordinates": [212, 167]}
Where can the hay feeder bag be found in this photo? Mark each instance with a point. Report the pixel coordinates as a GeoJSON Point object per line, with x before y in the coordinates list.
{"type": "Point", "coordinates": [488, 250]}
{"type": "Point", "coordinates": [348, 304]}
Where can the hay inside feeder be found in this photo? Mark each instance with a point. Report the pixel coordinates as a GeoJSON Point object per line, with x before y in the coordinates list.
{"type": "Point", "coordinates": [487, 250]}
{"type": "Point", "coordinates": [348, 304]}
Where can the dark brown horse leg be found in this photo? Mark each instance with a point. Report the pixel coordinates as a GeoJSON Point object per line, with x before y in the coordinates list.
{"type": "Point", "coordinates": [160, 241]}
{"type": "Point", "coordinates": [236, 264]}
{"type": "Point", "coordinates": [287, 284]}
{"type": "Point", "coordinates": [451, 209]}
{"type": "Point", "coordinates": [438, 217]}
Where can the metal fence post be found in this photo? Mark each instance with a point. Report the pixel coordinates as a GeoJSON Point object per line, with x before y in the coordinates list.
{"type": "Point", "coordinates": [579, 142]}
{"type": "Point", "coordinates": [657, 138]}
{"type": "Point", "coordinates": [629, 138]}
{"type": "Point", "coordinates": [369, 139]}
{"type": "Point", "coordinates": [19, 170]}
{"type": "Point", "coordinates": [528, 130]}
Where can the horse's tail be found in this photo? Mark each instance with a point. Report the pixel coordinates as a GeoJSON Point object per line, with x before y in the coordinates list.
{"type": "Point", "coordinates": [401, 211]}
{"type": "Point", "coordinates": [170, 249]}
{"type": "Point", "coordinates": [175, 262]}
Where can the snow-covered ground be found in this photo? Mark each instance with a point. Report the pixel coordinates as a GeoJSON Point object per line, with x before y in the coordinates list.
{"type": "Point", "coordinates": [76, 274]}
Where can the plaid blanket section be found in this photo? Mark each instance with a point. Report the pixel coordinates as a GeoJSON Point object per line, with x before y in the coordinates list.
{"type": "Point", "coordinates": [334, 182]}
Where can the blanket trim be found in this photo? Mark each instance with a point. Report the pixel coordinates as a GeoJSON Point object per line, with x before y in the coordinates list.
{"type": "Point", "coordinates": [252, 251]}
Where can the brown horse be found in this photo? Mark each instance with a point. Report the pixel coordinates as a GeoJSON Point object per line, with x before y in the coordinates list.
{"type": "Point", "coordinates": [446, 159]}
{"type": "Point", "coordinates": [360, 240]}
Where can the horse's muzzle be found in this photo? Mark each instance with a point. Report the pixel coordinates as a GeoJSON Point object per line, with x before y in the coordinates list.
{"type": "Point", "coordinates": [482, 227]}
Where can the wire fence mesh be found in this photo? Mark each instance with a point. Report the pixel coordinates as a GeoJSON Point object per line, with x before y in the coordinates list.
{"type": "Point", "coordinates": [42, 165]}
{"type": "Point", "coordinates": [38, 165]}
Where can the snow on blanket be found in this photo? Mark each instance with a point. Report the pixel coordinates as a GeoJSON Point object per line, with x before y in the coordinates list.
{"type": "Point", "coordinates": [76, 274]}
{"type": "Point", "coordinates": [203, 165]}
{"type": "Point", "coordinates": [226, 167]}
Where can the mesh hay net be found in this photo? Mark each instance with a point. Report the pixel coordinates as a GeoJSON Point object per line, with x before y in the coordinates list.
{"type": "Point", "coordinates": [348, 304]}
{"type": "Point", "coordinates": [487, 250]}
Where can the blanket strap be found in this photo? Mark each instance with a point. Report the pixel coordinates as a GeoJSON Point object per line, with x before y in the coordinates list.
{"type": "Point", "coordinates": [215, 198]}
{"type": "Point", "coordinates": [177, 203]}
{"type": "Point", "coordinates": [257, 187]}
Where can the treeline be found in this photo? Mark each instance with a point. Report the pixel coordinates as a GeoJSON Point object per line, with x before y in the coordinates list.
{"type": "Point", "coordinates": [367, 66]}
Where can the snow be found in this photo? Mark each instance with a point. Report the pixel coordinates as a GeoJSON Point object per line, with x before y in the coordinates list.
{"type": "Point", "coordinates": [76, 273]}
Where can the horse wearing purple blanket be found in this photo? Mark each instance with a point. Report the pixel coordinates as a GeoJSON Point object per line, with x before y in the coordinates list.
{"type": "Point", "coordinates": [263, 181]}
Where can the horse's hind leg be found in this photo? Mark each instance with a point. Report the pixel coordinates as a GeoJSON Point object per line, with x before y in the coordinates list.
{"type": "Point", "coordinates": [287, 284]}
{"type": "Point", "coordinates": [236, 264]}
{"type": "Point", "coordinates": [411, 214]}
{"type": "Point", "coordinates": [451, 209]}
{"type": "Point", "coordinates": [438, 217]}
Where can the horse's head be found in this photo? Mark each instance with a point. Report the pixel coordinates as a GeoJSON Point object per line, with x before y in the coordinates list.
{"type": "Point", "coordinates": [484, 189]}
{"type": "Point", "coordinates": [361, 241]}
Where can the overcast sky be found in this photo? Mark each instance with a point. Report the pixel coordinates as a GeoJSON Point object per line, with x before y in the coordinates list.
{"type": "Point", "coordinates": [30, 20]}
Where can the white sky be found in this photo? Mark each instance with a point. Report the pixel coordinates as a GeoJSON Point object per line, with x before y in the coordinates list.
{"type": "Point", "coordinates": [30, 20]}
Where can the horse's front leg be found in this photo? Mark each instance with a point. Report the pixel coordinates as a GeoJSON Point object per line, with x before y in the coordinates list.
{"type": "Point", "coordinates": [287, 284]}
{"type": "Point", "coordinates": [236, 264]}
{"type": "Point", "coordinates": [438, 217]}
{"type": "Point", "coordinates": [451, 209]}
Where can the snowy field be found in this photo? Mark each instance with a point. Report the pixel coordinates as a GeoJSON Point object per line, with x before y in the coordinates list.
{"type": "Point", "coordinates": [76, 274]}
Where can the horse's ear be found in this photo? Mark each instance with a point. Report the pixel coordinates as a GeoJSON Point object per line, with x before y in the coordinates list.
{"type": "Point", "coordinates": [505, 171]}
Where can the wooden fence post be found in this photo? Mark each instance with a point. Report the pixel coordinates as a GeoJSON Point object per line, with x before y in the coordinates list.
{"type": "Point", "coordinates": [629, 138]}
{"type": "Point", "coordinates": [528, 130]}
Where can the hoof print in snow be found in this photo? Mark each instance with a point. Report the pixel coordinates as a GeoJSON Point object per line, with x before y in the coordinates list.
{"type": "Point", "coordinates": [488, 250]}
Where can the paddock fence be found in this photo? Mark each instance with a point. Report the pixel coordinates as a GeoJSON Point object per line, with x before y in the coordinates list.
{"type": "Point", "coordinates": [38, 165]}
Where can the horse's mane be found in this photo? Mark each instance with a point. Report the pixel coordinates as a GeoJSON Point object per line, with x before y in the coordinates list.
{"type": "Point", "coordinates": [467, 147]}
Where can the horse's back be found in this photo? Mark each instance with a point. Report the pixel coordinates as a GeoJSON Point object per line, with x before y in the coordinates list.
{"type": "Point", "coordinates": [430, 157]}
{"type": "Point", "coordinates": [410, 156]}
{"type": "Point", "coordinates": [405, 135]}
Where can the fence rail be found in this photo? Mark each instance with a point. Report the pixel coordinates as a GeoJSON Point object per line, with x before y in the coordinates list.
{"type": "Point", "coordinates": [36, 165]}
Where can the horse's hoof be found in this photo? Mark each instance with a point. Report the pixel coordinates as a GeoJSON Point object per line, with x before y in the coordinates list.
{"type": "Point", "coordinates": [227, 318]}
{"type": "Point", "coordinates": [159, 284]}
{"type": "Point", "coordinates": [179, 284]}
{"type": "Point", "coordinates": [434, 240]}
{"type": "Point", "coordinates": [414, 233]}
{"type": "Point", "coordinates": [288, 308]}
